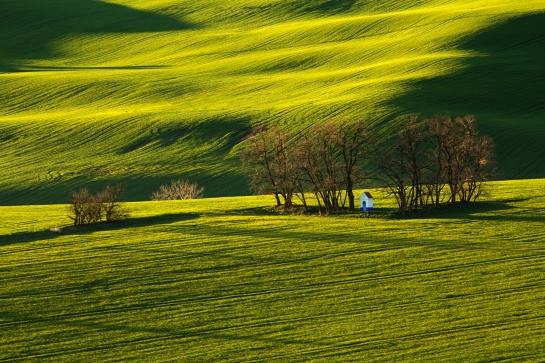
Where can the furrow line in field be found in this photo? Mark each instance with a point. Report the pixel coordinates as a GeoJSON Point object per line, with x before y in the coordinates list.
{"type": "Point", "coordinates": [316, 349]}
{"type": "Point", "coordinates": [363, 344]}
{"type": "Point", "coordinates": [184, 301]}
{"type": "Point", "coordinates": [456, 330]}
{"type": "Point", "coordinates": [536, 164]}
{"type": "Point", "coordinates": [314, 288]}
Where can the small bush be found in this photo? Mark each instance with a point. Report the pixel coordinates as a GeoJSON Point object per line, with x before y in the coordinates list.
{"type": "Point", "coordinates": [89, 208]}
{"type": "Point", "coordinates": [178, 190]}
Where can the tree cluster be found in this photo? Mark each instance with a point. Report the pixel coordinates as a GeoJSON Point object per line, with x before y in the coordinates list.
{"type": "Point", "coordinates": [87, 208]}
{"type": "Point", "coordinates": [324, 162]}
{"type": "Point", "coordinates": [427, 163]}
{"type": "Point", "coordinates": [434, 161]}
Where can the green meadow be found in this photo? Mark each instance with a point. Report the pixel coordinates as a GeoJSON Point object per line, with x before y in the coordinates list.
{"type": "Point", "coordinates": [142, 92]}
{"type": "Point", "coordinates": [223, 280]}
{"type": "Point", "coordinates": [94, 92]}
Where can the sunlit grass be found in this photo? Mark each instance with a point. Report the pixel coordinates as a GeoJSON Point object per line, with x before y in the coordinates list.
{"type": "Point", "coordinates": [92, 93]}
{"type": "Point", "coordinates": [222, 279]}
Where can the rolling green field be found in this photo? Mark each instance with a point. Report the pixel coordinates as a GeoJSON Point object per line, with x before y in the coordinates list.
{"type": "Point", "coordinates": [93, 92]}
{"type": "Point", "coordinates": [222, 280]}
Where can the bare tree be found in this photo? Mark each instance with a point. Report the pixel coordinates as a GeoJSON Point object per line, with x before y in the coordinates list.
{"type": "Point", "coordinates": [352, 138]}
{"type": "Point", "coordinates": [426, 157]}
{"type": "Point", "coordinates": [395, 174]}
{"type": "Point", "coordinates": [178, 190]}
{"type": "Point", "coordinates": [257, 157]}
{"type": "Point", "coordinates": [464, 159]}
{"type": "Point", "coordinates": [478, 160]}
{"type": "Point", "coordinates": [89, 208]}
{"type": "Point", "coordinates": [86, 208]}
{"type": "Point", "coordinates": [436, 174]}
{"type": "Point", "coordinates": [402, 164]}
{"type": "Point", "coordinates": [321, 162]}
{"type": "Point", "coordinates": [324, 161]}
{"type": "Point", "coordinates": [411, 139]}
{"type": "Point", "coordinates": [110, 199]}
{"type": "Point", "coordinates": [269, 161]}
{"type": "Point", "coordinates": [449, 148]}
{"type": "Point", "coordinates": [77, 200]}
{"type": "Point", "coordinates": [285, 167]}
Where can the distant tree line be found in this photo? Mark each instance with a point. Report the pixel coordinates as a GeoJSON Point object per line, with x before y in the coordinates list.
{"type": "Point", "coordinates": [435, 161]}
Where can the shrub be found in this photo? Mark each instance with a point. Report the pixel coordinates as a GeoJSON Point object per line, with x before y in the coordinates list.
{"type": "Point", "coordinates": [85, 207]}
{"type": "Point", "coordinates": [178, 190]}
{"type": "Point", "coordinates": [89, 208]}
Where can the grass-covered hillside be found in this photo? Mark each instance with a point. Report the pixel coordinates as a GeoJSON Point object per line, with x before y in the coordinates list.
{"type": "Point", "coordinates": [222, 280]}
{"type": "Point", "coordinates": [146, 91]}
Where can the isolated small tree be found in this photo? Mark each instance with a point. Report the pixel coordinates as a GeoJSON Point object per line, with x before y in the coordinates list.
{"type": "Point", "coordinates": [178, 190]}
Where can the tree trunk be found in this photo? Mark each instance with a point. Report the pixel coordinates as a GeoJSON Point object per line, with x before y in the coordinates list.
{"type": "Point", "coordinates": [350, 193]}
{"type": "Point", "coordinates": [278, 203]}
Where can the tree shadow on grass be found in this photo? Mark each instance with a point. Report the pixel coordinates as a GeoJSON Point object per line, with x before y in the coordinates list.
{"type": "Point", "coordinates": [457, 211]}
{"type": "Point", "coordinates": [138, 222]}
{"type": "Point", "coordinates": [483, 210]}
{"type": "Point", "coordinates": [503, 84]}
{"type": "Point", "coordinates": [502, 210]}
{"type": "Point", "coordinates": [498, 211]}
{"type": "Point", "coordinates": [28, 29]}
{"type": "Point", "coordinates": [253, 212]}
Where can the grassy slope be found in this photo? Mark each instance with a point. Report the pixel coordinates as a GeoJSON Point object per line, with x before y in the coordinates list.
{"type": "Point", "coordinates": [186, 281]}
{"type": "Point", "coordinates": [145, 91]}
